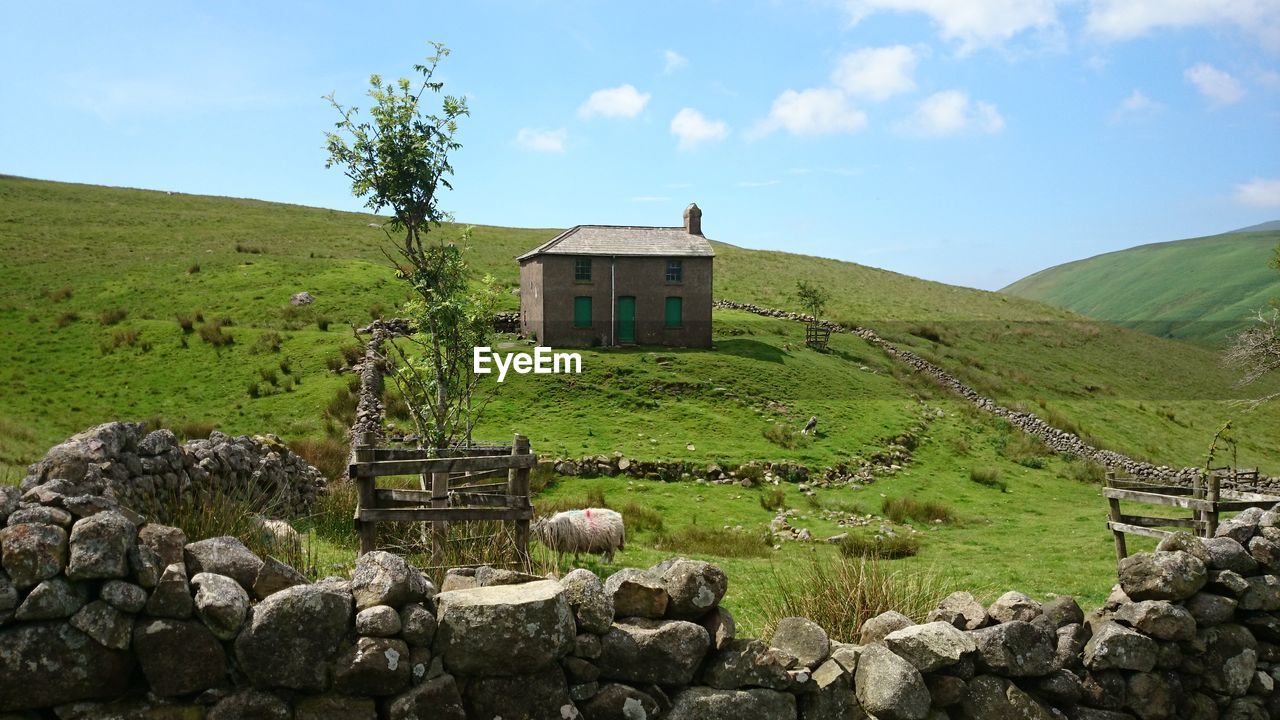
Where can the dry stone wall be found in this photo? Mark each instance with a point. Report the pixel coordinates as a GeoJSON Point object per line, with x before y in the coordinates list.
{"type": "Point", "coordinates": [1057, 440]}
{"type": "Point", "coordinates": [144, 471]}
{"type": "Point", "coordinates": [104, 615]}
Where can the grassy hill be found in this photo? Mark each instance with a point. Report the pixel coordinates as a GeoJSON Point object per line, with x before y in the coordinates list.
{"type": "Point", "coordinates": [1202, 289]}
{"type": "Point", "coordinates": [117, 303]}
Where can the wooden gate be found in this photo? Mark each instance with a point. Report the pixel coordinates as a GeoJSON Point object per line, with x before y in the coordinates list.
{"type": "Point", "coordinates": [456, 486]}
{"type": "Point", "coordinates": [1206, 498]}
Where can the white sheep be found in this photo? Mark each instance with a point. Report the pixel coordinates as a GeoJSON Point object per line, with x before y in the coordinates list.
{"type": "Point", "coordinates": [593, 530]}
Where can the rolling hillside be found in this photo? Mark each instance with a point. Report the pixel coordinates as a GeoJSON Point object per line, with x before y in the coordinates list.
{"type": "Point", "coordinates": [117, 304]}
{"type": "Point", "coordinates": [1202, 289]}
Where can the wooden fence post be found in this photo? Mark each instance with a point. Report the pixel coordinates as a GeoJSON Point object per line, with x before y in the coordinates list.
{"type": "Point", "coordinates": [365, 495]}
{"type": "Point", "coordinates": [518, 496]}
{"type": "Point", "coordinates": [1122, 550]}
{"type": "Point", "coordinates": [1200, 517]}
{"type": "Point", "coordinates": [439, 528]}
{"type": "Point", "coordinates": [1215, 491]}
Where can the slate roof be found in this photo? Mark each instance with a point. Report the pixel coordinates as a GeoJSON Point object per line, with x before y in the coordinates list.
{"type": "Point", "coordinates": [624, 240]}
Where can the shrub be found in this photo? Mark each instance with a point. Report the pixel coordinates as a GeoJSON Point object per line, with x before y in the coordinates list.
{"type": "Point", "coordinates": [268, 342]}
{"type": "Point", "coordinates": [193, 268]}
{"type": "Point", "coordinates": [883, 547]}
{"type": "Point", "coordinates": [784, 436]}
{"type": "Point", "coordinates": [334, 363]}
{"type": "Point", "coordinates": [254, 390]}
{"type": "Point", "coordinates": [1086, 471]}
{"type": "Point", "coordinates": [248, 249]}
{"type": "Point", "coordinates": [1023, 448]}
{"type": "Point", "coordinates": [58, 295]}
{"type": "Point", "coordinates": [196, 430]}
{"type": "Point", "coordinates": [212, 333]}
{"type": "Point", "coordinates": [696, 539]}
{"type": "Point", "coordinates": [187, 323]}
{"type": "Point", "coordinates": [286, 365]}
{"type": "Point", "coordinates": [929, 332]}
{"type": "Point", "coordinates": [67, 318]}
{"type": "Point", "coordinates": [773, 499]}
{"type": "Point", "coordinates": [990, 477]}
{"type": "Point", "coordinates": [323, 324]}
{"type": "Point", "coordinates": [113, 316]}
{"type": "Point", "coordinates": [341, 410]}
{"type": "Point", "coordinates": [352, 354]}
{"type": "Point", "coordinates": [842, 593]}
{"type": "Point", "coordinates": [377, 311]}
{"type": "Point", "coordinates": [269, 376]}
{"type": "Point", "coordinates": [900, 509]}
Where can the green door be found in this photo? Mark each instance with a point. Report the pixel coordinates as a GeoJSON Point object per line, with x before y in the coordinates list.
{"type": "Point", "coordinates": [626, 323]}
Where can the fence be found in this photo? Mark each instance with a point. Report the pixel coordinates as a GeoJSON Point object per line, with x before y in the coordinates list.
{"type": "Point", "coordinates": [1207, 498]}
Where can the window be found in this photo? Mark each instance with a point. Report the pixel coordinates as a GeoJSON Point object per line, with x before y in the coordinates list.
{"type": "Point", "coordinates": [582, 270]}
{"type": "Point", "coordinates": [675, 312]}
{"type": "Point", "coordinates": [675, 271]}
{"type": "Point", "coordinates": [582, 312]}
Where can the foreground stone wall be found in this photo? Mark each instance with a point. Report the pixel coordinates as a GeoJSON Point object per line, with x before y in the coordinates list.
{"type": "Point", "coordinates": [145, 471]}
{"type": "Point", "coordinates": [104, 615]}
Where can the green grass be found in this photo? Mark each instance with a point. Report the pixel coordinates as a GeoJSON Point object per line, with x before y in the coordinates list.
{"type": "Point", "coordinates": [74, 252]}
{"type": "Point", "coordinates": [1201, 289]}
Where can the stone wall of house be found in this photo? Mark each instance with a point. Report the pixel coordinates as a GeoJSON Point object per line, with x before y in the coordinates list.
{"type": "Point", "coordinates": [145, 471]}
{"type": "Point", "coordinates": [103, 615]}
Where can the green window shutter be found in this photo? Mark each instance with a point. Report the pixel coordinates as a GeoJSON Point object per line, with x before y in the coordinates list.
{"type": "Point", "coordinates": [675, 312]}
{"type": "Point", "coordinates": [582, 312]}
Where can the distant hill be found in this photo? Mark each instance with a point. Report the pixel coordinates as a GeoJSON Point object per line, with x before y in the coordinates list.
{"type": "Point", "coordinates": [1201, 289]}
{"type": "Point", "coordinates": [1269, 226]}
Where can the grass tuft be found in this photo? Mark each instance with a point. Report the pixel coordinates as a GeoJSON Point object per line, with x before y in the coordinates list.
{"type": "Point", "coordinates": [700, 540]}
{"type": "Point", "coordinates": [883, 547]}
{"type": "Point", "coordinates": [989, 477]}
{"type": "Point", "coordinates": [841, 594]}
{"type": "Point", "coordinates": [902, 509]}
{"type": "Point", "coordinates": [112, 316]}
{"type": "Point", "coordinates": [773, 499]}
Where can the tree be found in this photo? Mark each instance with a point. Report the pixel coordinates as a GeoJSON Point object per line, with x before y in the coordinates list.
{"type": "Point", "coordinates": [1256, 350]}
{"type": "Point", "coordinates": [398, 161]}
{"type": "Point", "coordinates": [813, 298]}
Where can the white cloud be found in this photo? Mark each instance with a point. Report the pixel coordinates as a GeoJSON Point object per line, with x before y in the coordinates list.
{"type": "Point", "coordinates": [877, 73]}
{"type": "Point", "coordinates": [541, 140]}
{"type": "Point", "coordinates": [1124, 19]}
{"type": "Point", "coordinates": [1136, 105]}
{"type": "Point", "coordinates": [1216, 85]}
{"type": "Point", "coordinates": [1259, 192]}
{"type": "Point", "coordinates": [974, 23]}
{"type": "Point", "coordinates": [694, 129]}
{"type": "Point", "coordinates": [673, 61]}
{"type": "Point", "coordinates": [816, 111]}
{"type": "Point", "coordinates": [951, 112]}
{"type": "Point", "coordinates": [622, 101]}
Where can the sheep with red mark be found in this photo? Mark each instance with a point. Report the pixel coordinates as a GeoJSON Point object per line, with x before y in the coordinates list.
{"type": "Point", "coordinates": [593, 530]}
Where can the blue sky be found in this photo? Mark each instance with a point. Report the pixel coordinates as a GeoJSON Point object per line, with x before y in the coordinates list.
{"type": "Point", "coordinates": [967, 141]}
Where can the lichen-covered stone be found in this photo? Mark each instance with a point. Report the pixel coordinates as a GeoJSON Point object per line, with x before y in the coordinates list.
{"type": "Point", "coordinates": [1162, 575]}
{"type": "Point", "coordinates": [543, 694]}
{"type": "Point", "coordinates": [744, 663]}
{"type": "Point", "coordinates": [693, 586]}
{"type": "Point", "coordinates": [642, 650]}
{"type": "Point", "coordinates": [251, 703]}
{"type": "Point", "coordinates": [171, 597]}
{"type": "Point", "coordinates": [1014, 605]}
{"type": "Point", "coordinates": [1016, 649]}
{"type": "Point", "coordinates": [615, 701]}
{"type": "Point", "coordinates": [1116, 647]}
{"type": "Point", "coordinates": [179, 657]}
{"type": "Point", "coordinates": [105, 624]}
{"type": "Point", "coordinates": [995, 698]}
{"type": "Point", "coordinates": [378, 621]}
{"type": "Point", "coordinates": [436, 699]}
{"type": "Point", "coordinates": [49, 663]}
{"type": "Point", "coordinates": [888, 687]}
{"type": "Point", "coordinates": [290, 636]}
{"type": "Point", "coordinates": [962, 610]}
{"type": "Point", "coordinates": [100, 546]}
{"type": "Point", "coordinates": [31, 552]}
{"type": "Point", "coordinates": [222, 556]}
{"type": "Point", "coordinates": [383, 578]}
{"type": "Point", "coordinates": [52, 599]}
{"type": "Point", "coordinates": [273, 577]}
{"type": "Point", "coordinates": [874, 629]}
{"type": "Point", "coordinates": [1159, 619]}
{"type": "Point", "coordinates": [592, 606]}
{"type": "Point", "coordinates": [637, 593]}
{"type": "Point", "coordinates": [931, 646]}
{"type": "Point", "coordinates": [701, 703]}
{"type": "Point", "coordinates": [372, 666]}
{"type": "Point", "coordinates": [417, 624]}
{"type": "Point", "coordinates": [803, 639]}
{"type": "Point", "coordinates": [503, 629]}
{"type": "Point", "coordinates": [123, 596]}
{"type": "Point", "coordinates": [220, 603]}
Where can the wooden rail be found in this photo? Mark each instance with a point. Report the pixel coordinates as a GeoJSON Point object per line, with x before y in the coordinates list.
{"type": "Point", "coordinates": [449, 490]}
{"type": "Point", "coordinates": [1206, 499]}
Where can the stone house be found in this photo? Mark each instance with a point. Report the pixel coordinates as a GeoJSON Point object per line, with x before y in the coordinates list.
{"type": "Point", "coordinates": [607, 285]}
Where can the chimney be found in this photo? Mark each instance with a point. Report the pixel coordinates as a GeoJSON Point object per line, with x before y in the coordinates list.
{"type": "Point", "coordinates": [693, 219]}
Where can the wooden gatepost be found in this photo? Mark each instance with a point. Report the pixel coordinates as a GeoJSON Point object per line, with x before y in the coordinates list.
{"type": "Point", "coordinates": [1206, 498]}
{"type": "Point", "coordinates": [456, 487]}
